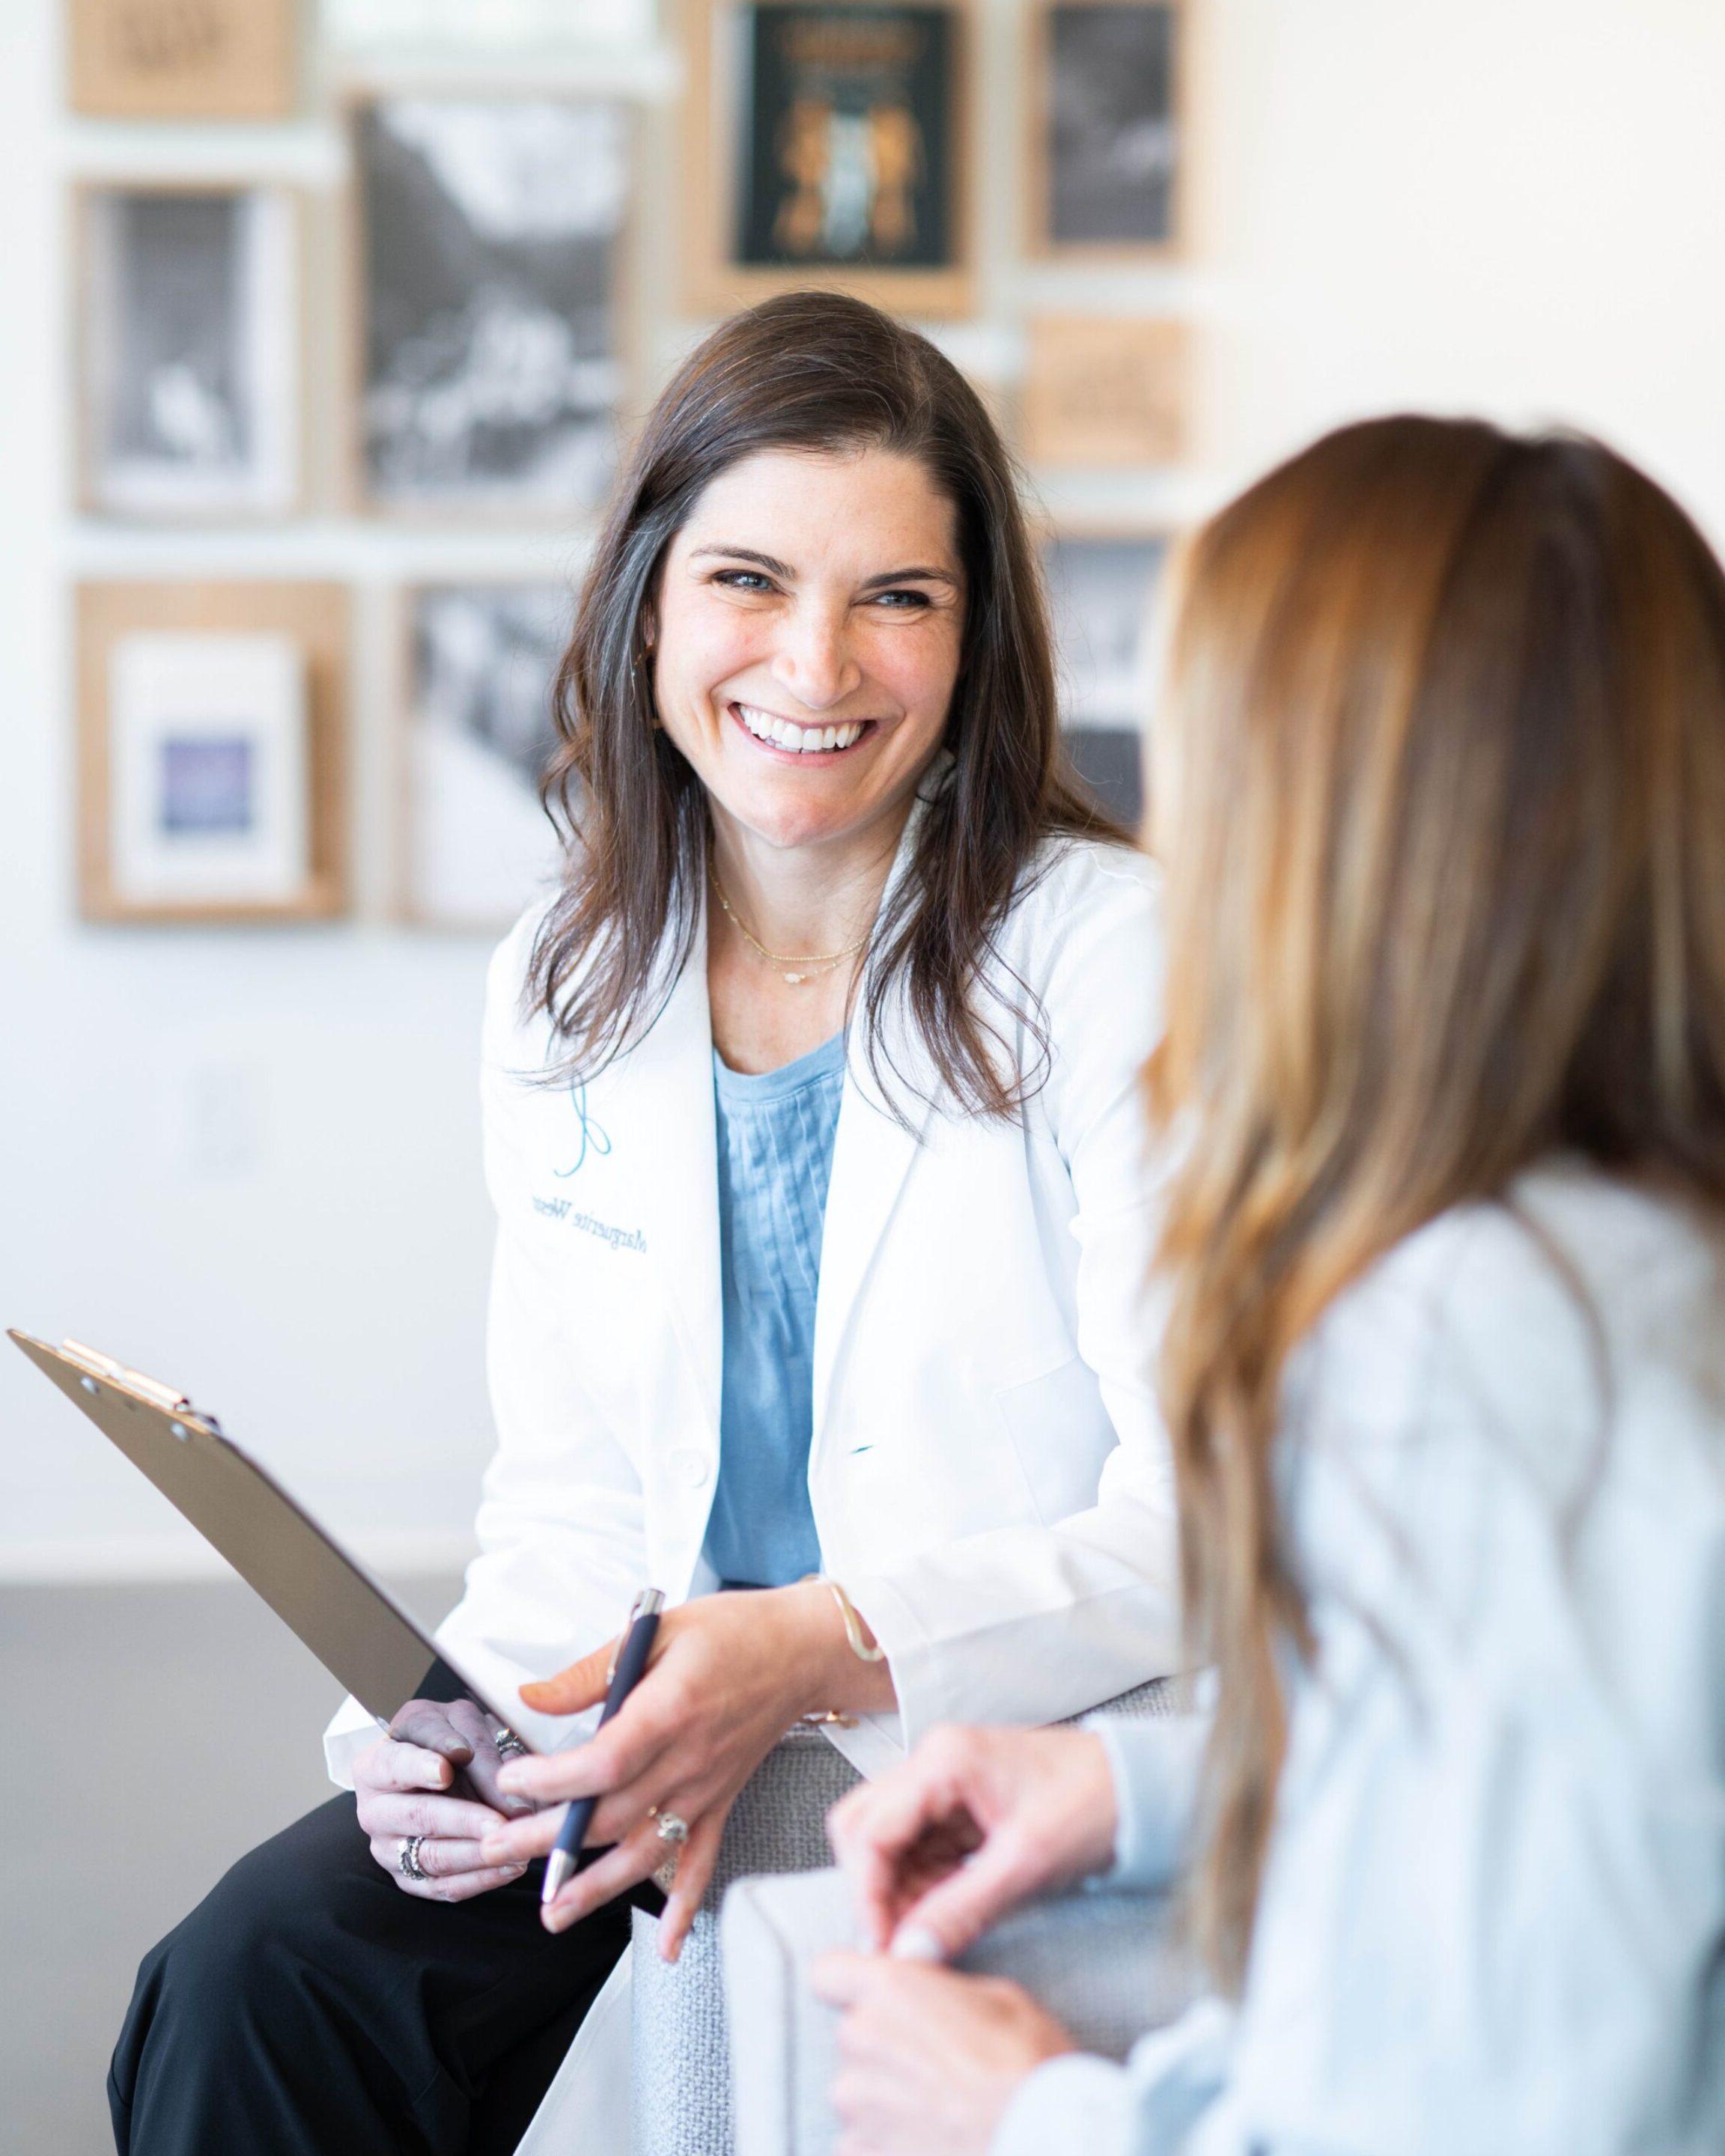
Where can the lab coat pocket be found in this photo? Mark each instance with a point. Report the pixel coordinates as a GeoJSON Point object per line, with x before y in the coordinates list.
{"type": "Point", "coordinates": [1061, 1435]}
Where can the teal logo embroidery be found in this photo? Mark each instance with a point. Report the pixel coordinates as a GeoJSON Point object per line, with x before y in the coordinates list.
{"type": "Point", "coordinates": [606, 1231]}
{"type": "Point", "coordinates": [594, 1139]}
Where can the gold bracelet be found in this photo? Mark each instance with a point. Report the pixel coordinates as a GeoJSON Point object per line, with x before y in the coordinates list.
{"type": "Point", "coordinates": [853, 1623]}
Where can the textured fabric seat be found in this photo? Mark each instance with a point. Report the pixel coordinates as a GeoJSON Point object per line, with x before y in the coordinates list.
{"type": "Point", "coordinates": [681, 2056]}
{"type": "Point", "coordinates": [1104, 1964]}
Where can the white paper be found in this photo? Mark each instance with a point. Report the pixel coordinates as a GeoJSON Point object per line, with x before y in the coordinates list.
{"type": "Point", "coordinates": [209, 769]}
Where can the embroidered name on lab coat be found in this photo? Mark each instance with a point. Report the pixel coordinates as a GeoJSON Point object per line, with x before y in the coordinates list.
{"type": "Point", "coordinates": [619, 1239]}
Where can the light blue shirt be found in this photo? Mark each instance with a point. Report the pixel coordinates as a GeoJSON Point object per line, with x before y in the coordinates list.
{"type": "Point", "coordinates": [775, 1134]}
{"type": "Point", "coordinates": [1493, 1913]}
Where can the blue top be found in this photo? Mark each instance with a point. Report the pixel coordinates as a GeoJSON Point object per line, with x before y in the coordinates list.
{"type": "Point", "coordinates": [1494, 1894]}
{"type": "Point", "coordinates": [775, 1134]}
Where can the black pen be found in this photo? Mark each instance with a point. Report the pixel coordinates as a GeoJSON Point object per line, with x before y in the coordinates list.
{"type": "Point", "coordinates": [625, 1676]}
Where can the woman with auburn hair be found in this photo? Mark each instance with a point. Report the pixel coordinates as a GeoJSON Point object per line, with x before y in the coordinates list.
{"type": "Point", "coordinates": [811, 1123]}
{"type": "Point", "coordinates": [1439, 791]}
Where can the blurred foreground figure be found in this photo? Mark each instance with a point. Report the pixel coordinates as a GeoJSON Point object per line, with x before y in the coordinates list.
{"type": "Point", "coordinates": [1440, 786]}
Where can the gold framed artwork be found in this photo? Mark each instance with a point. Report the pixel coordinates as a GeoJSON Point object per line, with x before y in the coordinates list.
{"type": "Point", "coordinates": [478, 662]}
{"type": "Point", "coordinates": [488, 289]}
{"type": "Point", "coordinates": [182, 59]}
{"type": "Point", "coordinates": [826, 144]}
{"type": "Point", "coordinates": [1106, 129]}
{"type": "Point", "coordinates": [211, 757]}
{"type": "Point", "coordinates": [189, 339]}
{"type": "Point", "coordinates": [1100, 392]}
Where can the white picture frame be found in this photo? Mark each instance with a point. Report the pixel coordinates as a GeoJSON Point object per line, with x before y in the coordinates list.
{"type": "Point", "coordinates": [478, 660]}
{"type": "Point", "coordinates": [189, 339]}
{"type": "Point", "coordinates": [1102, 584]}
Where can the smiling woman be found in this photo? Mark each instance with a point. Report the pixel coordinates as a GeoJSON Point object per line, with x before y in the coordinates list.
{"type": "Point", "coordinates": [811, 1122]}
{"type": "Point", "coordinates": [823, 522]}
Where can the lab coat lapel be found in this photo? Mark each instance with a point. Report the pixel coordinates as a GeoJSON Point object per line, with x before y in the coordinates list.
{"type": "Point", "coordinates": [877, 1139]}
{"type": "Point", "coordinates": [660, 1114]}
{"type": "Point", "coordinates": [872, 1153]}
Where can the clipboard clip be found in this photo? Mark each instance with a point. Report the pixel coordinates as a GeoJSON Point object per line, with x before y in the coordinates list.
{"type": "Point", "coordinates": [151, 1390]}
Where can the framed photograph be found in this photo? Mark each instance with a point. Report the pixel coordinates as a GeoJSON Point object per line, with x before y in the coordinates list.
{"type": "Point", "coordinates": [1103, 585]}
{"type": "Point", "coordinates": [495, 30]}
{"type": "Point", "coordinates": [182, 59]}
{"type": "Point", "coordinates": [488, 266]}
{"type": "Point", "coordinates": [189, 350]}
{"type": "Point", "coordinates": [210, 758]}
{"type": "Point", "coordinates": [481, 659]}
{"type": "Point", "coordinates": [826, 145]}
{"type": "Point", "coordinates": [1106, 128]}
{"type": "Point", "coordinates": [1101, 392]}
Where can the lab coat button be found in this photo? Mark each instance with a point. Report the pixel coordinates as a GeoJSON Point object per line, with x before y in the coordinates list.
{"type": "Point", "coordinates": [690, 1466]}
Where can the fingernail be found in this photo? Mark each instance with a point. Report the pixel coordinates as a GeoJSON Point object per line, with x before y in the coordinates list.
{"type": "Point", "coordinates": [496, 1850]}
{"type": "Point", "coordinates": [915, 1943]}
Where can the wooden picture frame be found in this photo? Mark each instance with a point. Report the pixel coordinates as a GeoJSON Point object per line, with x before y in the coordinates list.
{"type": "Point", "coordinates": [1105, 188]}
{"type": "Point", "coordinates": [312, 619]}
{"type": "Point", "coordinates": [182, 59]}
{"type": "Point", "coordinates": [806, 63]}
{"type": "Point", "coordinates": [1103, 576]}
{"type": "Point", "coordinates": [389, 473]}
{"type": "Point", "coordinates": [1102, 391]}
{"type": "Point", "coordinates": [474, 655]}
{"type": "Point", "coordinates": [180, 419]}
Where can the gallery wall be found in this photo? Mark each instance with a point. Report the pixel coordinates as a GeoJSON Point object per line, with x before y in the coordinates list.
{"type": "Point", "coordinates": [247, 1158]}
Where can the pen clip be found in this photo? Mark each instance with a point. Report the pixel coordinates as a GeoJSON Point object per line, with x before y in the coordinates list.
{"type": "Point", "coordinates": [638, 1608]}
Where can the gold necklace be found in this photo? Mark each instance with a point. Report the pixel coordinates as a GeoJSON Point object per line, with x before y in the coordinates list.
{"type": "Point", "coordinates": [790, 968]}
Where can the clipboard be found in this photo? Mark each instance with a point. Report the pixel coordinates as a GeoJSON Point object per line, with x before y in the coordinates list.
{"type": "Point", "coordinates": [353, 1625]}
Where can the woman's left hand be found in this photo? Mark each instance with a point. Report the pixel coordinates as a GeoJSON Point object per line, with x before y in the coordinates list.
{"type": "Point", "coordinates": [929, 2059]}
{"type": "Point", "coordinates": [728, 1675]}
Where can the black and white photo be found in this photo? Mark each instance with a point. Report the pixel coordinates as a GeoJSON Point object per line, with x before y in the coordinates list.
{"type": "Point", "coordinates": [1103, 587]}
{"type": "Point", "coordinates": [491, 234]}
{"type": "Point", "coordinates": [1107, 159]}
{"type": "Point", "coordinates": [190, 340]}
{"type": "Point", "coordinates": [482, 661]}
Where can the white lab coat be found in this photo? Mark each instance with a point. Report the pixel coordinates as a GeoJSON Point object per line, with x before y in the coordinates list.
{"type": "Point", "coordinates": [988, 1472]}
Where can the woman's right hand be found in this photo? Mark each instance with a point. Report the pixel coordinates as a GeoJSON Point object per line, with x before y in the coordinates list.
{"type": "Point", "coordinates": [404, 1785]}
{"type": "Point", "coordinates": [974, 1822]}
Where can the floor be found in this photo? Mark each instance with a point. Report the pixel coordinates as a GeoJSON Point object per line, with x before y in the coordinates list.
{"type": "Point", "coordinates": [157, 1732]}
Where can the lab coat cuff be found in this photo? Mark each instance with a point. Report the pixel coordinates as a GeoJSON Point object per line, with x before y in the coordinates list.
{"type": "Point", "coordinates": [899, 1633]}
{"type": "Point", "coordinates": [351, 1731]}
{"type": "Point", "coordinates": [1071, 2103]}
{"type": "Point", "coordinates": [1155, 1764]}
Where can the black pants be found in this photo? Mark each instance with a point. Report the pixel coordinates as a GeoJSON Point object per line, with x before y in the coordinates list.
{"type": "Point", "coordinates": [308, 2005]}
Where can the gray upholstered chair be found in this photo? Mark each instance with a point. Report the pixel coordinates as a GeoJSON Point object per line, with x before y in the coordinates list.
{"type": "Point", "coordinates": [681, 2064]}
{"type": "Point", "coordinates": [1105, 1965]}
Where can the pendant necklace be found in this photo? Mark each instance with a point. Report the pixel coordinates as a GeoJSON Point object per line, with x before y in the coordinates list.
{"type": "Point", "coordinates": [790, 968]}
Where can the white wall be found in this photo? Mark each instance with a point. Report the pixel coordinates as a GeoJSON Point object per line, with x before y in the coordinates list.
{"type": "Point", "coordinates": [247, 1161]}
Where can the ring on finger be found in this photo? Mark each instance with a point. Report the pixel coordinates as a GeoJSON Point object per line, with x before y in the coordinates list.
{"type": "Point", "coordinates": [669, 1827]}
{"type": "Point", "coordinates": [406, 1858]}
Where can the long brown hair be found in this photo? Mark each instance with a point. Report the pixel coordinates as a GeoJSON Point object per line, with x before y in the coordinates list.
{"type": "Point", "coordinates": [810, 372]}
{"type": "Point", "coordinates": [1446, 845]}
